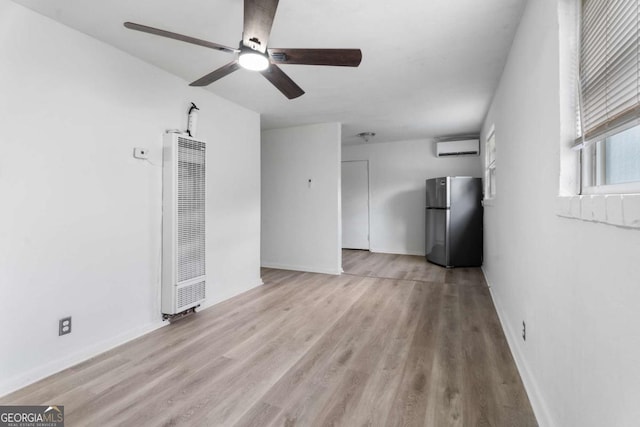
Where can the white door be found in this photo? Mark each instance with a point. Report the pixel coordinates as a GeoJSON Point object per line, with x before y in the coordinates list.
{"type": "Point", "coordinates": [355, 204]}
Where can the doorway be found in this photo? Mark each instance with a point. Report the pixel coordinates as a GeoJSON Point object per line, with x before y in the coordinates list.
{"type": "Point", "coordinates": [355, 204]}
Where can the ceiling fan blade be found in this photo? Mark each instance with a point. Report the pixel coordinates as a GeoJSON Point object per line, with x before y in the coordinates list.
{"type": "Point", "coordinates": [180, 37]}
{"type": "Point", "coordinates": [217, 74]}
{"type": "Point", "coordinates": [279, 79]}
{"type": "Point", "coordinates": [335, 57]}
{"type": "Point", "coordinates": [258, 19]}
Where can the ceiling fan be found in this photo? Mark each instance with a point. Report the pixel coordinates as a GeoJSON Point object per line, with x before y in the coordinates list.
{"type": "Point", "coordinates": [253, 54]}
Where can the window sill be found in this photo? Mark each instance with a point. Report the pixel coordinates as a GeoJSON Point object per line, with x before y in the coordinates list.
{"type": "Point", "coordinates": [622, 210]}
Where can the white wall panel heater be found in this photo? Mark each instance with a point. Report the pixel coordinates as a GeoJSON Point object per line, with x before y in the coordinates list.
{"type": "Point", "coordinates": [183, 224]}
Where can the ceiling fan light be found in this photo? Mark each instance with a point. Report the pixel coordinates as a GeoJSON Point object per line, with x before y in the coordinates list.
{"type": "Point", "coordinates": [253, 61]}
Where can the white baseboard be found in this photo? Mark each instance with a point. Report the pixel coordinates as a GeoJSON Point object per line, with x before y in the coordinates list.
{"type": "Point", "coordinates": [311, 269]}
{"type": "Point", "coordinates": [22, 380]}
{"type": "Point", "coordinates": [530, 384]}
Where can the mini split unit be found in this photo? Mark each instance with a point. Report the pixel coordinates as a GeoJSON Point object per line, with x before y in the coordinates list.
{"type": "Point", "coordinates": [467, 147]}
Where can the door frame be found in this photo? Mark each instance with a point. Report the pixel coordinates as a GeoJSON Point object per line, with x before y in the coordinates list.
{"type": "Point", "coordinates": [368, 199]}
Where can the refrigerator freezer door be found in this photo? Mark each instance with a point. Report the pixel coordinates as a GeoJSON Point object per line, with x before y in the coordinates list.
{"type": "Point", "coordinates": [465, 222]}
{"type": "Point", "coordinates": [437, 236]}
{"type": "Point", "coordinates": [438, 193]}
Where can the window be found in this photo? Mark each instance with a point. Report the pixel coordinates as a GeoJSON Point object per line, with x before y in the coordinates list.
{"type": "Point", "coordinates": [490, 165]}
{"type": "Point", "coordinates": [609, 113]}
{"type": "Point", "coordinates": [612, 164]}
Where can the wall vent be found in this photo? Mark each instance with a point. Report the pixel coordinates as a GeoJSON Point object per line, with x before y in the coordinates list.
{"type": "Point", "coordinates": [190, 294]}
{"type": "Point", "coordinates": [183, 225]}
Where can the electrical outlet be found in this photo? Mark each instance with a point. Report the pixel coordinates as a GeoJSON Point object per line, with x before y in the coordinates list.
{"type": "Point", "coordinates": [524, 331]}
{"type": "Point", "coordinates": [141, 153]}
{"type": "Point", "coordinates": [64, 326]}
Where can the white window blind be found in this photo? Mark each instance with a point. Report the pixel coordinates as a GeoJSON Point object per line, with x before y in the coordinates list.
{"type": "Point", "coordinates": [609, 65]}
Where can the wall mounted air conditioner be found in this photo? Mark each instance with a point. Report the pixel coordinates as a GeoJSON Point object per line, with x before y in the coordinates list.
{"type": "Point", "coordinates": [467, 147]}
{"type": "Point", "coordinates": [183, 224]}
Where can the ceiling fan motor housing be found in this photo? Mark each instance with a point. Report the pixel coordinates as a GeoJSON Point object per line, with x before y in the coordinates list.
{"type": "Point", "coordinates": [252, 59]}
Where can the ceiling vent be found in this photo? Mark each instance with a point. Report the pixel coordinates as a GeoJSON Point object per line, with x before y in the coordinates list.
{"type": "Point", "coordinates": [467, 147]}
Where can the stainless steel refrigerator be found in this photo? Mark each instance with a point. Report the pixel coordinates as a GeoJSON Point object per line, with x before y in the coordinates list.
{"type": "Point", "coordinates": [454, 221]}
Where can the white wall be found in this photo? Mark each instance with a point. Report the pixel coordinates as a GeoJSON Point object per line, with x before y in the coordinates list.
{"type": "Point", "coordinates": [575, 283]}
{"type": "Point", "coordinates": [397, 174]}
{"type": "Point", "coordinates": [300, 221]}
{"type": "Point", "coordinates": [80, 218]}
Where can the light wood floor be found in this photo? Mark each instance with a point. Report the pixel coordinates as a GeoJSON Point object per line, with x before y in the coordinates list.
{"type": "Point", "coordinates": [394, 341]}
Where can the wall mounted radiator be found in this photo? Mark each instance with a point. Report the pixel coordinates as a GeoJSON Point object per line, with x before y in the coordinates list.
{"type": "Point", "coordinates": [183, 224]}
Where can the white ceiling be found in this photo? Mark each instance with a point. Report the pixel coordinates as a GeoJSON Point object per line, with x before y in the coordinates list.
{"type": "Point", "coordinates": [429, 67]}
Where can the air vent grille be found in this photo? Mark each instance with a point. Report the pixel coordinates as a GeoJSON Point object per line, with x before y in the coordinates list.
{"type": "Point", "coordinates": [191, 210]}
{"type": "Point", "coordinates": [189, 294]}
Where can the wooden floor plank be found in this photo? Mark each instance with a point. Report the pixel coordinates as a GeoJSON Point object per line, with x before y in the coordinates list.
{"type": "Point", "coordinates": [410, 402]}
{"type": "Point", "coordinates": [393, 341]}
{"type": "Point", "coordinates": [445, 397]}
{"type": "Point", "coordinates": [380, 390]}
